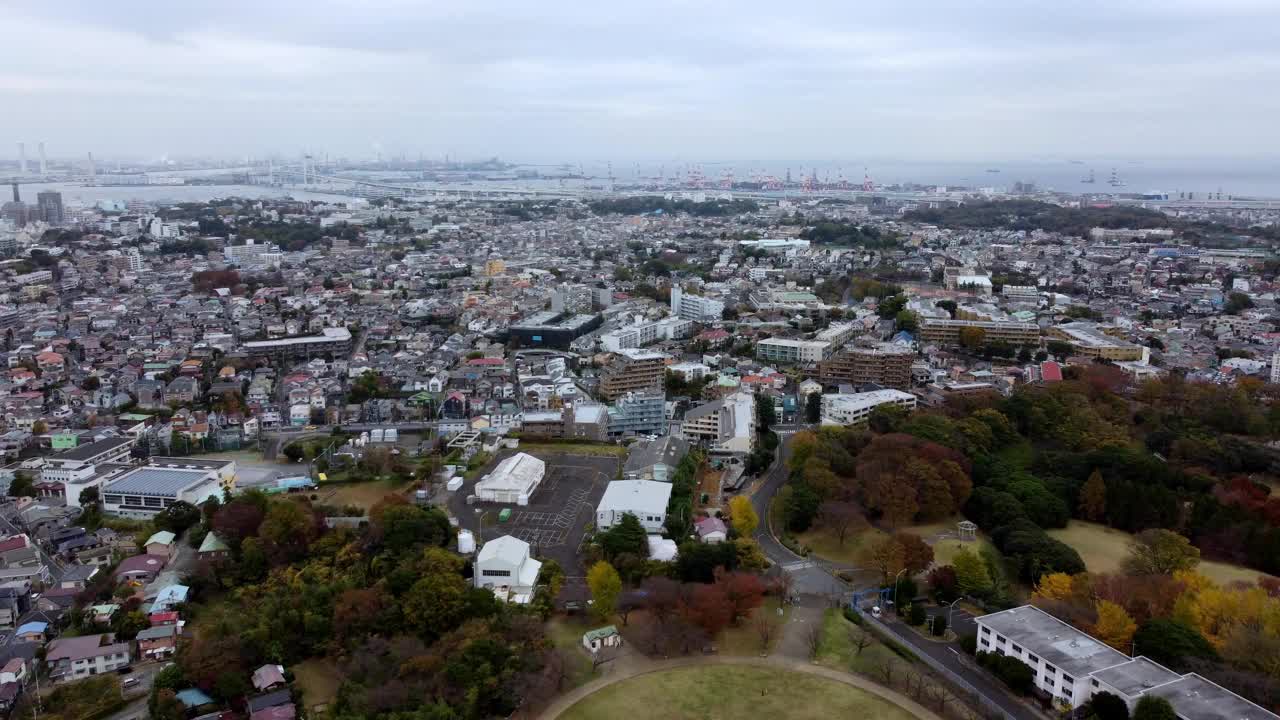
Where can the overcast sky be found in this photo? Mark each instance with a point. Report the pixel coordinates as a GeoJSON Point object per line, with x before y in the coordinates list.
{"type": "Point", "coordinates": [590, 80]}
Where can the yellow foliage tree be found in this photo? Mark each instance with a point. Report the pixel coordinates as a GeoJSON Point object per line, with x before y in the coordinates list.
{"type": "Point", "coordinates": [1114, 626]}
{"type": "Point", "coordinates": [743, 515]}
{"type": "Point", "coordinates": [1053, 586]}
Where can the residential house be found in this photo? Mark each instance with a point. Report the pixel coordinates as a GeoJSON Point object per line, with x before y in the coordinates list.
{"type": "Point", "coordinates": [158, 642]}
{"type": "Point", "coordinates": [79, 657]}
{"type": "Point", "coordinates": [162, 543]}
{"type": "Point", "coordinates": [268, 677]}
{"type": "Point", "coordinates": [503, 565]}
{"type": "Point", "coordinates": [711, 530]}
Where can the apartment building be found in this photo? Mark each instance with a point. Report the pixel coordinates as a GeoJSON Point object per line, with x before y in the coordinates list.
{"type": "Point", "coordinates": [947, 332]}
{"type": "Point", "coordinates": [695, 307]}
{"type": "Point", "coordinates": [854, 408]}
{"type": "Point", "coordinates": [633, 371]}
{"type": "Point", "coordinates": [885, 364]}
{"type": "Point", "coordinates": [1089, 341]}
{"type": "Point", "coordinates": [726, 425]}
{"type": "Point", "coordinates": [785, 350]}
{"type": "Point", "coordinates": [76, 658]}
{"type": "Point", "coordinates": [638, 414]}
{"type": "Point", "coordinates": [644, 333]}
{"type": "Point", "coordinates": [333, 341]}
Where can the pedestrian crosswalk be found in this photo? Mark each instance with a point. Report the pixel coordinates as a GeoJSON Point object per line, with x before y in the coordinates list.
{"type": "Point", "coordinates": [799, 565]}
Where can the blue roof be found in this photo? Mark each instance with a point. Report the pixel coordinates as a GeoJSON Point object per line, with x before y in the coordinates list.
{"type": "Point", "coordinates": [171, 595]}
{"type": "Point", "coordinates": [35, 626]}
{"type": "Point", "coordinates": [192, 697]}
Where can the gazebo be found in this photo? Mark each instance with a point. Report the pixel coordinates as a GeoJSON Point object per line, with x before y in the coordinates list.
{"type": "Point", "coordinates": [967, 530]}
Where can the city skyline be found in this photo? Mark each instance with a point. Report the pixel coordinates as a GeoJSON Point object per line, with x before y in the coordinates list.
{"type": "Point", "coordinates": [1001, 81]}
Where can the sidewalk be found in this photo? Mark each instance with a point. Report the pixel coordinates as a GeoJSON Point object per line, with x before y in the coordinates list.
{"type": "Point", "coordinates": [564, 702]}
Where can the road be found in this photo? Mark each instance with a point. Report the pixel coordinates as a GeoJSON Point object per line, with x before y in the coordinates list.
{"type": "Point", "coordinates": [818, 578]}
{"type": "Point", "coordinates": [9, 527]}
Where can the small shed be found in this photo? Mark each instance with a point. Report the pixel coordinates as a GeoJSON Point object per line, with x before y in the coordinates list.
{"type": "Point", "coordinates": [596, 640]}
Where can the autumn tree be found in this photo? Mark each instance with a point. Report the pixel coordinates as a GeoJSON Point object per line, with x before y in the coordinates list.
{"type": "Point", "coordinates": [917, 555]}
{"type": "Point", "coordinates": [743, 592]}
{"type": "Point", "coordinates": [287, 529]}
{"type": "Point", "coordinates": [435, 603]}
{"type": "Point", "coordinates": [972, 337]}
{"type": "Point", "coordinates": [1160, 552]}
{"type": "Point", "coordinates": [842, 518]}
{"type": "Point", "coordinates": [605, 586]}
{"type": "Point", "coordinates": [1114, 626]}
{"type": "Point", "coordinates": [743, 515]}
{"type": "Point", "coordinates": [707, 607]}
{"type": "Point", "coordinates": [1093, 497]}
{"type": "Point", "coordinates": [886, 555]}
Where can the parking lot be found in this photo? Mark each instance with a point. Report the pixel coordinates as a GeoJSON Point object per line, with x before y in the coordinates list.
{"type": "Point", "coordinates": [556, 517]}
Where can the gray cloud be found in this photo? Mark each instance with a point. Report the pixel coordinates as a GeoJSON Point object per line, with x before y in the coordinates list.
{"type": "Point", "coordinates": [645, 81]}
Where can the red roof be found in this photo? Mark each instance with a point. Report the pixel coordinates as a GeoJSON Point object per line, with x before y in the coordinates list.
{"type": "Point", "coordinates": [17, 542]}
{"type": "Point", "coordinates": [492, 362]}
{"type": "Point", "coordinates": [164, 618]}
{"type": "Point", "coordinates": [1050, 371]}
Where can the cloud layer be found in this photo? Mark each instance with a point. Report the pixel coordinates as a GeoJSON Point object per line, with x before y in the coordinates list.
{"type": "Point", "coordinates": [652, 81]}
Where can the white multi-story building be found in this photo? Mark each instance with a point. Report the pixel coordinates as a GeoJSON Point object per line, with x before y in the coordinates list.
{"type": "Point", "coordinates": [727, 425]}
{"type": "Point", "coordinates": [1072, 666]}
{"type": "Point", "coordinates": [145, 491]}
{"type": "Point", "coordinates": [695, 307]}
{"type": "Point", "coordinates": [1275, 367]}
{"type": "Point", "coordinates": [135, 259]}
{"type": "Point", "coordinates": [503, 566]}
{"type": "Point", "coordinates": [642, 333]}
{"type": "Point", "coordinates": [854, 408]}
{"type": "Point", "coordinates": [785, 350]}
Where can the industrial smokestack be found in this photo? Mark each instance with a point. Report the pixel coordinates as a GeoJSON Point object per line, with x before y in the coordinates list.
{"type": "Point", "coordinates": [16, 196]}
{"type": "Point", "coordinates": [22, 158]}
{"type": "Point", "coordinates": [44, 164]}
{"type": "Point", "coordinates": [93, 173]}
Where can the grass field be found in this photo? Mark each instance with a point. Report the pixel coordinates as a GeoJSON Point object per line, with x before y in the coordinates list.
{"type": "Point", "coordinates": [838, 650]}
{"type": "Point", "coordinates": [944, 551]}
{"type": "Point", "coordinates": [365, 494]}
{"type": "Point", "coordinates": [318, 680]}
{"type": "Point", "coordinates": [745, 638]}
{"type": "Point", "coordinates": [573, 449]}
{"type": "Point", "coordinates": [730, 693]}
{"type": "Point", "coordinates": [1103, 549]}
{"type": "Point", "coordinates": [824, 544]}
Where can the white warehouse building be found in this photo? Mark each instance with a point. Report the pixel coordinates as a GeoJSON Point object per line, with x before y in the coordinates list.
{"type": "Point", "coordinates": [513, 481]}
{"type": "Point", "coordinates": [646, 499]}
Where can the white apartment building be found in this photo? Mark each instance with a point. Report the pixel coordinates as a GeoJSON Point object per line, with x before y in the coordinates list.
{"type": "Point", "coordinates": [1072, 666]}
{"type": "Point", "coordinates": [727, 425]}
{"type": "Point", "coordinates": [854, 408]}
{"type": "Point", "coordinates": [784, 350]}
{"type": "Point", "coordinates": [642, 333]}
{"type": "Point", "coordinates": [695, 307]}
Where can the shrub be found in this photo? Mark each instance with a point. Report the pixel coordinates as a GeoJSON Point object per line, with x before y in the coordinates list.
{"type": "Point", "coordinates": [969, 643]}
{"type": "Point", "coordinates": [939, 624]}
{"type": "Point", "coordinates": [917, 615]}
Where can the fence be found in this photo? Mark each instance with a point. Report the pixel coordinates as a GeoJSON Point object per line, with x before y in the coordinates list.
{"type": "Point", "coordinates": [948, 674]}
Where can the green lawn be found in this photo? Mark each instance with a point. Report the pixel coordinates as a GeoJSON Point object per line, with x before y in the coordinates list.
{"type": "Point", "coordinates": [726, 692]}
{"type": "Point", "coordinates": [566, 633]}
{"type": "Point", "coordinates": [840, 652]}
{"type": "Point", "coordinates": [318, 679]}
{"type": "Point", "coordinates": [944, 551]}
{"type": "Point", "coordinates": [824, 544]}
{"type": "Point", "coordinates": [573, 449]}
{"type": "Point", "coordinates": [1103, 549]}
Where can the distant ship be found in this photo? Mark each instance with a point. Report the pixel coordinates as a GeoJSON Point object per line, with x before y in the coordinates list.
{"type": "Point", "coordinates": [1076, 162]}
{"type": "Point", "coordinates": [993, 170]}
{"type": "Point", "coordinates": [1115, 180]}
{"type": "Point", "coordinates": [1089, 180]}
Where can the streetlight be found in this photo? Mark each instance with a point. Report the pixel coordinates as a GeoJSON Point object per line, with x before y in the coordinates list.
{"type": "Point", "coordinates": [895, 588]}
{"type": "Point", "coordinates": [950, 607]}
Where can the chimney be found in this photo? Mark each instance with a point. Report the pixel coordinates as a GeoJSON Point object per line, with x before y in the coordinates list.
{"type": "Point", "coordinates": [22, 158]}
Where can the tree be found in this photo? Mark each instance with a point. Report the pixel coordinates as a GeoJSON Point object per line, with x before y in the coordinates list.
{"type": "Point", "coordinates": [164, 705]}
{"type": "Point", "coordinates": [1172, 643]}
{"type": "Point", "coordinates": [1160, 552]}
{"type": "Point", "coordinates": [1153, 707]}
{"type": "Point", "coordinates": [436, 602]}
{"type": "Point", "coordinates": [626, 536]}
{"type": "Point", "coordinates": [766, 627]}
{"type": "Point", "coordinates": [605, 586]}
{"type": "Point", "coordinates": [287, 530]}
{"type": "Point", "coordinates": [917, 555]}
{"type": "Point", "coordinates": [907, 321]}
{"type": "Point", "coordinates": [813, 407]}
{"type": "Point", "coordinates": [743, 592]}
{"type": "Point", "coordinates": [1054, 587]}
{"type": "Point", "coordinates": [971, 572]}
{"type": "Point", "coordinates": [1114, 626]}
{"type": "Point", "coordinates": [1107, 706]}
{"type": "Point", "coordinates": [943, 582]}
{"type": "Point", "coordinates": [886, 555]}
{"type": "Point", "coordinates": [972, 338]}
{"type": "Point", "coordinates": [765, 416]}
{"type": "Point", "coordinates": [1093, 497]}
{"type": "Point", "coordinates": [178, 517]}
{"type": "Point", "coordinates": [842, 518]}
{"type": "Point", "coordinates": [743, 515]}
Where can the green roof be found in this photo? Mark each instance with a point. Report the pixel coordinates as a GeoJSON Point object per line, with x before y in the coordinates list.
{"type": "Point", "coordinates": [134, 417]}
{"type": "Point", "coordinates": [212, 543]}
{"type": "Point", "coordinates": [163, 537]}
{"type": "Point", "coordinates": [600, 633]}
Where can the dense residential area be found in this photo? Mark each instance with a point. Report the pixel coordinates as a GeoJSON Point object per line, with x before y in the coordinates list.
{"type": "Point", "coordinates": [959, 455]}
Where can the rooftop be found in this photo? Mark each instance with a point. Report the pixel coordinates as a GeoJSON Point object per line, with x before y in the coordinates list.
{"type": "Point", "coordinates": [163, 482]}
{"type": "Point", "coordinates": [1136, 676]}
{"type": "Point", "coordinates": [1061, 645]}
{"type": "Point", "coordinates": [1198, 699]}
